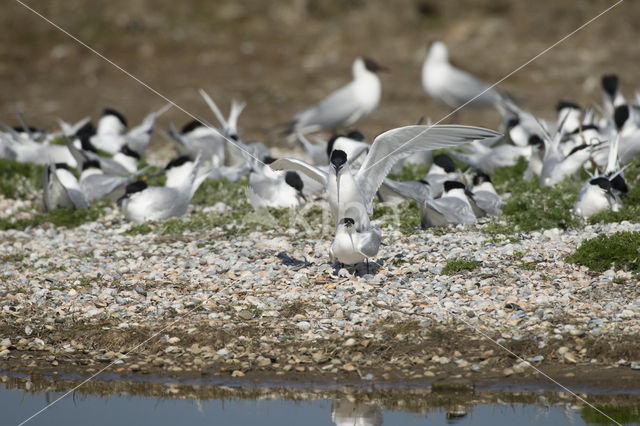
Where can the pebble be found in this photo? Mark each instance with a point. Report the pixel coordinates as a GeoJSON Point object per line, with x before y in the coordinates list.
{"type": "Point", "coordinates": [242, 281]}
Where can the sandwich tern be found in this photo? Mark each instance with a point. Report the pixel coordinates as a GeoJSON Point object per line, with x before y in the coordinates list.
{"type": "Point", "coordinates": [142, 202]}
{"type": "Point", "coordinates": [351, 246]}
{"type": "Point", "coordinates": [351, 195]}
{"type": "Point", "coordinates": [448, 84]}
{"type": "Point", "coordinates": [61, 189]}
{"type": "Point", "coordinates": [453, 207]}
{"type": "Point", "coordinates": [345, 106]}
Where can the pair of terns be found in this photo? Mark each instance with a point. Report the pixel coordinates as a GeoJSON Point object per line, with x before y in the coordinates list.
{"type": "Point", "coordinates": [359, 98]}
{"type": "Point", "coordinates": [350, 193]}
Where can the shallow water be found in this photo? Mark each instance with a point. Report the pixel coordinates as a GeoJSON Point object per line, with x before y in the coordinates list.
{"type": "Point", "coordinates": [18, 405]}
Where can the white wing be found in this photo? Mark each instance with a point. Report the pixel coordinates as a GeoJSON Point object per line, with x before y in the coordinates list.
{"type": "Point", "coordinates": [314, 173]}
{"type": "Point", "coordinates": [462, 87]}
{"type": "Point", "coordinates": [338, 108]}
{"type": "Point", "coordinates": [395, 144]}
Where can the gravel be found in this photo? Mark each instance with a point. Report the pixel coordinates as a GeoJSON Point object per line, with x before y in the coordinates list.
{"type": "Point", "coordinates": [279, 284]}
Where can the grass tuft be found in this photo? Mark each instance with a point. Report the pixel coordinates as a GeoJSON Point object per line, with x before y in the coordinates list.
{"type": "Point", "coordinates": [456, 266]}
{"type": "Point", "coordinates": [19, 180]}
{"type": "Point", "coordinates": [67, 218]}
{"type": "Point", "coordinates": [620, 250]}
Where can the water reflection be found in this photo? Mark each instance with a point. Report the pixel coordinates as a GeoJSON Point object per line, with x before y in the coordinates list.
{"type": "Point", "coordinates": [345, 413]}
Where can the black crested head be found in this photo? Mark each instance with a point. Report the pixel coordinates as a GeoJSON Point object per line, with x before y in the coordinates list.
{"type": "Point", "coordinates": [30, 129]}
{"type": "Point", "coordinates": [177, 162]}
{"type": "Point", "coordinates": [618, 183]}
{"type": "Point", "coordinates": [610, 84]}
{"type": "Point", "coordinates": [91, 164]}
{"type": "Point", "coordinates": [234, 137]}
{"type": "Point", "coordinates": [332, 142]}
{"type": "Point", "coordinates": [293, 180]}
{"type": "Point", "coordinates": [338, 158]}
{"type": "Point", "coordinates": [566, 104]}
{"type": "Point", "coordinates": [190, 126]}
{"type": "Point", "coordinates": [356, 135]}
{"type": "Point", "coordinates": [87, 130]}
{"type": "Point", "coordinates": [63, 166]}
{"type": "Point", "coordinates": [578, 148]}
{"type": "Point", "coordinates": [444, 161]}
{"type": "Point", "coordinates": [481, 178]}
{"type": "Point", "coordinates": [136, 186]}
{"type": "Point", "coordinates": [513, 122]}
{"type": "Point", "coordinates": [371, 65]}
{"type": "Point", "coordinates": [620, 115]}
{"type": "Point", "coordinates": [453, 184]}
{"type": "Point", "coordinates": [347, 221]}
{"type": "Point", "coordinates": [268, 159]}
{"type": "Point", "coordinates": [601, 182]}
{"type": "Point", "coordinates": [536, 140]}
{"type": "Point", "coordinates": [117, 114]}
{"type": "Point", "coordinates": [129, 152]}
{"type": "Point", "coordinates": [85, 142]}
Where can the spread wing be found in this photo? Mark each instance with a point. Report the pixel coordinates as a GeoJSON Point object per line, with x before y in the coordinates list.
{"type": "Point", "coordinates": [395, 144]}
{"type": "Point", "coordinates": [294, 164]}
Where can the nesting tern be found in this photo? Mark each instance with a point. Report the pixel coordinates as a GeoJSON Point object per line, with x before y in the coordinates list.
{"type": "Point", "coordinates": [270, 188]}
{"type": "Point", "coordinates": [142, 202]}
{"type": "Point", "coordinates": [452, 208]}
{"type": "Point", "coordinates": [351, 195]}
{"type": "Point", "coordinates": [596, 196]}
{"type": "Point", "coordinates": [485, 196]}
{"type": "Point", "coordinates": [61, 189]}
{"type": "Point", "coordinates": [347, 105]}
{"type": "Point", "coordinates": [96, 185]}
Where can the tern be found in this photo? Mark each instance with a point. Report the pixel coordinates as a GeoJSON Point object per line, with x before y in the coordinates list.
{"type": "Point", "coordinates": [351, 195]}
{"type": "Point", "coordinates": [142, 202]}
{"type": "Point", "coordinates": [195, 137]}
{"type": "Point", "coordinates": [454, 87]}
{"type": "Point", "coordinates": [96, 185]}
{"type": "Point", "coordinates": [596, 196]}
{"type": "Point", "coordinates": [61, 189]}
{"type": "Point", "coordinates": [111, 137]}
{"type": "Point", "coordinates": [485, 196]}
{"type": "Point", "coordinates": [487, 159]}
{"type": "Point", "coordinates": [353, 144]}
{"type": "Point", "coordinates": [611, 96]}
{"type": "Point", "coordinates": [347, 105]}
{"type": "Point", "coordinates": [453, 207]}
{"type": "Point", "coordinates": [394, 192]}
{"type": "Point", "coordinates": [270, 188]}
{"type": "Point", "coordinates": [351, 246]}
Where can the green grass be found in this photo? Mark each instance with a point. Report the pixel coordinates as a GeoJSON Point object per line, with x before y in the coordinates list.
{"type": "Point", "coordinates": [142, 229]}
{"type": "Point", "coordinates": [221, 190]}
{"type": "Point", "coordinates": [456, 266]}
{"type": "Point", "coordinates": [67, 218]}
{"type": "Point", "coordinates": [19, 180]}
{"type": "Point", "coordinates": [620, 250]}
